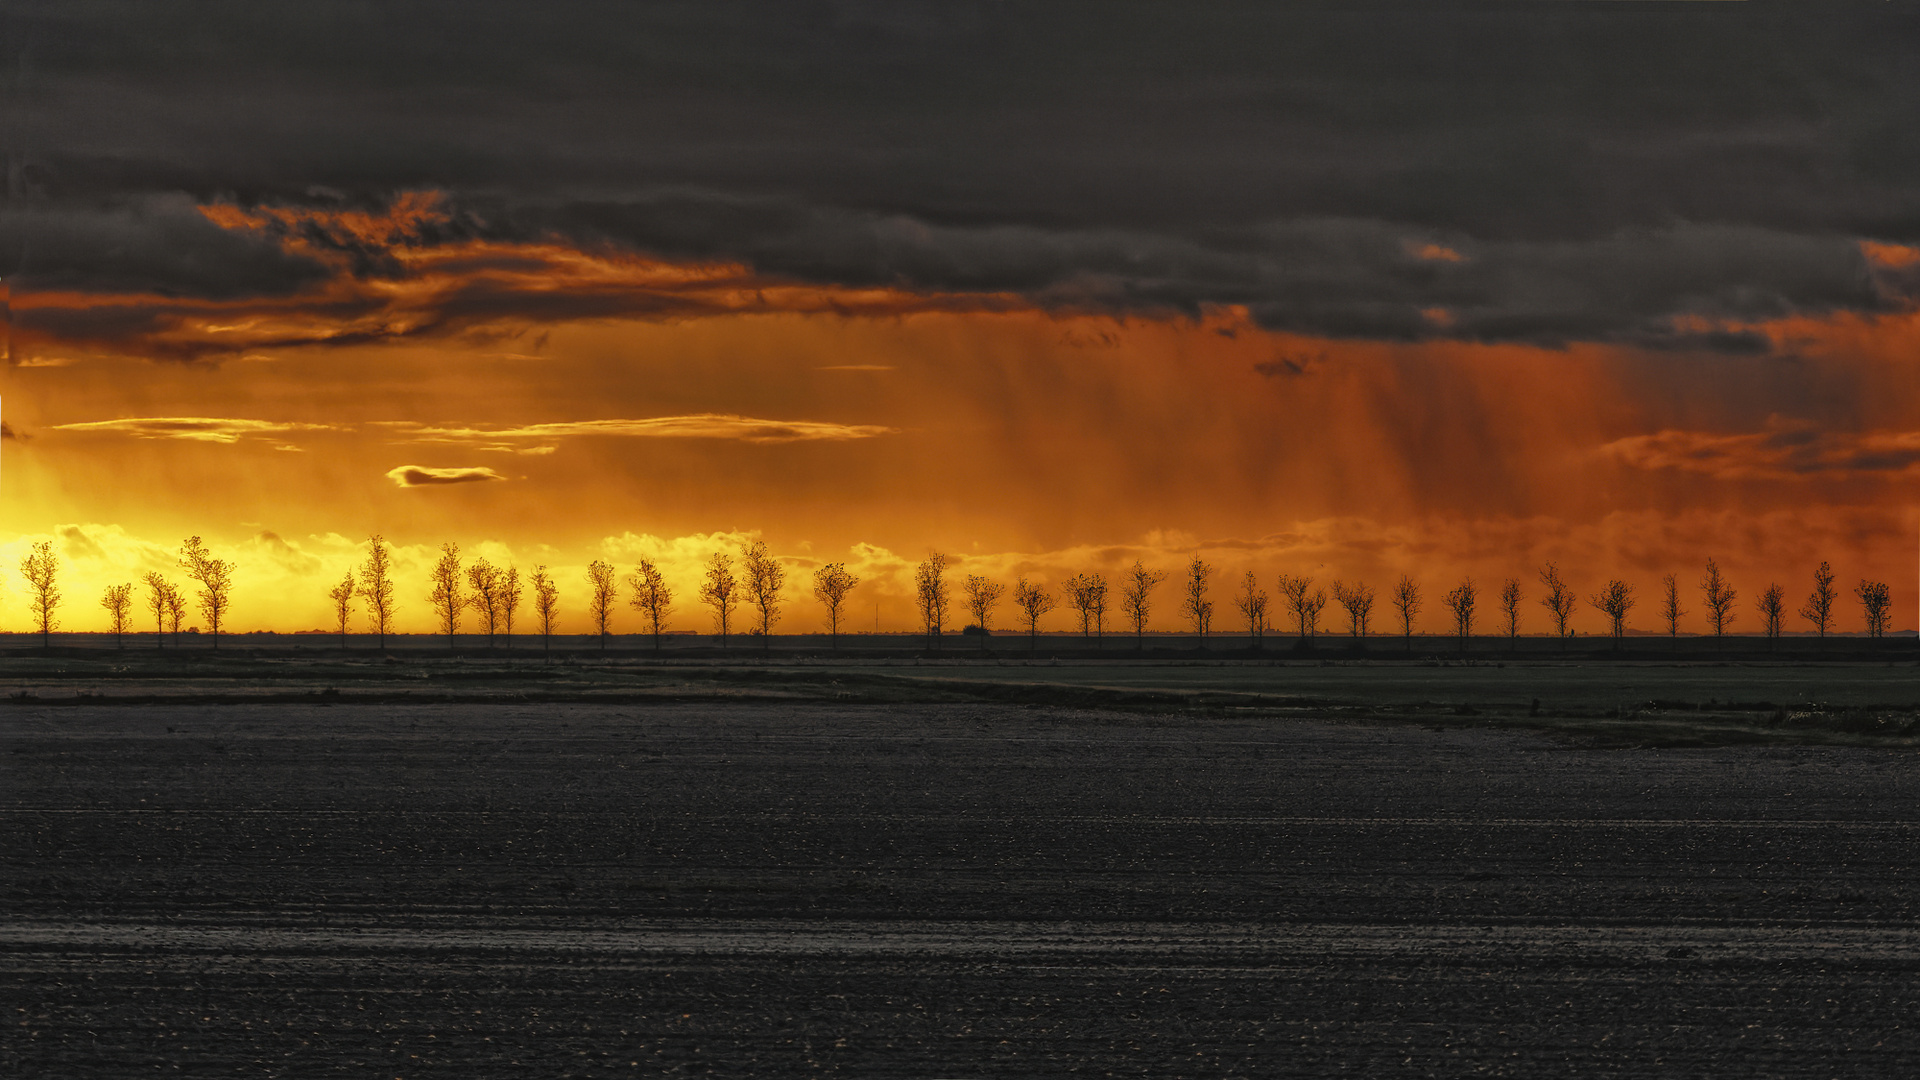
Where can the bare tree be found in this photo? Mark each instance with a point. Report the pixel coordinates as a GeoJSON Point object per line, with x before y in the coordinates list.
{"type": "Point", "coordinates": [376, 586]}
{"type": "Point", "coordinates": [1510, 598]}
{"type": "Point", "coordinates": [1559, 601]}
{"type": "Point", "coordinates": [982, 596]}
{"type": "Point", "coordinates": [342, 597]}
{"type": "Point", "coordinates": [1460, 601]}
{"type": "Point", "coordinates": [1876, 602]}
{"type": "Point", "coordinates": [1406, 600]}
{"type": "Point", "coordinates": [1670, 609]}
{"type": "Point", "coordinates": [216, 582]}
{"type": "Point", "coordinates": [1033, 602]}
{"type": "Point", "coordinates": [1136, 598]}
{"type": "Point", "coordinates": [762, 576]}
{"type": "Point", "coordinates": [448, 602]}
{"type": "Point", "coordinates": [510, 591]}
{"type": "Point", "coordinates": [1305, 602]}
{"type": "Point", "coordinates": [118, 600]}
{"type": "Point", "coordinates": [605, 596]}
{"type": "Point", "coordinates": [1773, 611]}
{"type": "Point", "coordinates": [176, 613]}
{"type": "Point", "coordinates": [1088, 595]}
{"type": "Point", "coordinates": [1615, 598]}
{"type": "Point", "coordinates": [1252, 602]}
{"type": "Point", "coordinates": [157, 592]}
{"type": "Point", "coordinates": [651, 597]}
{"type": "Point", "coordinates": [831, 584]}
{"type": "Point", "coordinates": [1197, 608]}
{"type": "Point", "coordinates": [721, 591]}
{"type": "Point", "coordinates": [41, 567]}
{"type": "Point", "coordinates": [930, 596]}
{"type": "Point", "coordinates": [484, 579]}
{"type": "Point", "coordinates": [1719, 596]}
{"type": "Point", "coordinates": [1357, 599]}
{"type": "Point", "coordinates": [1819, 609]}
{"type": "Point", "coordinates": [546, 606]}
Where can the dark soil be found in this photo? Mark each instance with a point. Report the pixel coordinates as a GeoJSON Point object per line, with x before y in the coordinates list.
{"type": "Point", "coordinates": [971, 889]}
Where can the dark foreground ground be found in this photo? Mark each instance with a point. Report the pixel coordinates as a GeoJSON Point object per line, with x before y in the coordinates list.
{"type": "Point", "coordinates": [741, 888]}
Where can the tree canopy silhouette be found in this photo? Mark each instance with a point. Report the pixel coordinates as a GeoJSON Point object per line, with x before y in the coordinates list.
{"type": "Point", "coordinates": [216, 583]}
{"type": "Point", "coordinates": [41, 567]}
{"type": "Point", "coordinates": [651, 597]}
{"type": "Point", "coordinates": [721, 592]}
{"type": "Point", "coordinates": [376, 587]}
{"type": "Point", "coordinates": [447, 598]}
{"type": "Point", "coordinates": [1033, 602]}
{"type": "Point", "coordinates": [601, 599]}
{"type": "Point", "coordinates": [1136, 598]}
{"type": "Point", "coordinates": [831, 584]}
{"type": "Point", "coordinates": [762, 576]}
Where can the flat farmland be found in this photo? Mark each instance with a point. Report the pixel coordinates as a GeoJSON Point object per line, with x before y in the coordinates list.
{"type": "Point", "coordinates": [777, 888]}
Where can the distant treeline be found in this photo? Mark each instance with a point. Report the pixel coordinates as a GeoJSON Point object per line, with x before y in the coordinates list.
{"type": "Point", "coordinates": [753, 579]}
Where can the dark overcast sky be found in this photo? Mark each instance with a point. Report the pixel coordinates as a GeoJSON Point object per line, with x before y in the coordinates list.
{"type": "Point", "coordinates": [1599, 168]}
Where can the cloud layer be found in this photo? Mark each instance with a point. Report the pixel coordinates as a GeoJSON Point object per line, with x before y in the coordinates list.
{"type": "Point", "coordinates": [1658, 175]}
{"type": "Point", "coordinates": [408, 476]}
{"type": "Point", "coordinates": [192, 428]}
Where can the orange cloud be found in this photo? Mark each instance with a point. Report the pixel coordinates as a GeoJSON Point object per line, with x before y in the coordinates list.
{"type": "Point", "coordinates": [702, 426]}
{"type": "Point", "coordinates": [192, 428]}
{"type": "Point", "coordinates": [1786, 450]}
{"type": "Point", "coordinates": [425, 476]}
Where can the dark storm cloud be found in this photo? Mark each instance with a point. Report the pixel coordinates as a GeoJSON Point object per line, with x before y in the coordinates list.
{"type": "Point", "coordinates": [1533, 172]}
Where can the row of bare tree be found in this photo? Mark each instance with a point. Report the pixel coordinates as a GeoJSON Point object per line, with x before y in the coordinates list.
{"type": "Point", "coordinates": [756, 579]}
{"type": "Point", "coordinates": [41, 568]}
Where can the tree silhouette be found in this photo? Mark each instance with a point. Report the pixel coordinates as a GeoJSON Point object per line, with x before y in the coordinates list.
{"type": "Point", "coordinates": [1088, 595]}
{"type": "Point", "coordinates": [1406, 600]}
{"type": "Point", "coordinates": [1670, 608]}
{"type": "Point", "coordinates": [546, 607]}
{"type": "Point", "coordinates": [1252, 602]}
{"type": "Point", "coordinates": [1033, 602]}
{"type": "Point", "coordinates": [216, 582]}
{"type": "Point", "coordinates": [1305, 602]}
{"type": "Point", "coordinates": [601, 603]}
{"type": "Point", "coordinates": [448, 602]}
{"type": "Point", "coordinates": [1819, 608]}
{"type": "Point", "coordinates": [376, 586]}
{"type": "Point", "coordinates": [982, 596]}
{"type": "Point", "coordinates": [1357, 599]}
{"type": "Point", "coordinates": [1615, 598]}
{"type": "Point", "coordinates": [41, 567]}
{"type": "Point", "coordinates": [1197, 608]}
{"type": "Point", "coordinates": [1460, 600]}
{"type": "Point", "coordinates": [483, 578]}
{"type": "Point", "coordinates": [176, 613]}
{"type": "Point", "coordinates": [1559, 601]}
{"type": "Point", "coordinates": [930, 596]}
{"type": "Point", "coordinates": [721, 591]}
{"type": "Point", "coordinates": [831, 584]}
{"type": "Point", "coordinates": [1876, 603]}
{"type": "Point", "coordinates": [158, 590]}
{"type": "Point", "coordinates": [651, 597]}
{"type": "Point", "coordinates": [118, 600]}
{"type": "Point", "coordinates": [1510, 597]}
{"type": "Point", "coordinates": [1773, 611]}
{"type": "Point", "coordinates": [1719, 597]}
{"type": "Point", "coordinates": [510, 591]}
{"type": "Point", "coordinates": [1136, 598]}
{"type": "Point", "coordinates": [342, 597]}
{"type": "Point", "coordinates": [762, 576]}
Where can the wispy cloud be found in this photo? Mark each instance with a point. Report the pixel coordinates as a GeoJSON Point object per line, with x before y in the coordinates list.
{"type": "Point", "coordinates": [696, 426]}
{"type": "Point", "coordinates": [425, 476]}
{"type": "Point", "coordinates": [1785, 449]}
{"type": "Point", "coordinates": [193, 428]}
{"type": "Point", "coordinates": [856, 367]}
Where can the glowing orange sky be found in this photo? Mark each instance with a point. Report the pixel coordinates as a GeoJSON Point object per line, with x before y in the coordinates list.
{"type": "Point", "coordinates": [631, 408]}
